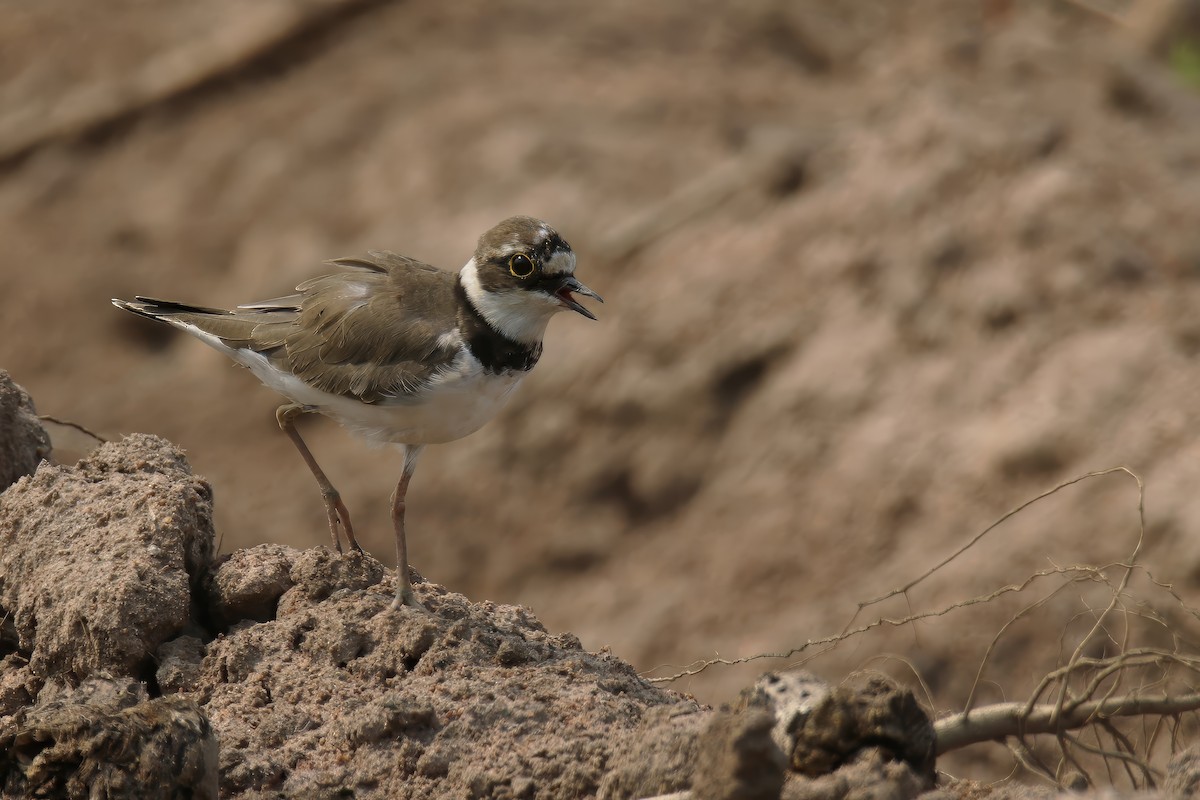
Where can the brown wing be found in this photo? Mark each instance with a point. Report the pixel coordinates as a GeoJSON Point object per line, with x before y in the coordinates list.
{"type": "Point", "coordinates": [377, 333]}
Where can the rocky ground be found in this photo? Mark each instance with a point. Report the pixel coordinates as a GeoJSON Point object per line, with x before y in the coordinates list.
{"type": "Point", "coordinates": [876, 273]}
{"type": "Point", "coordinates": [137, 664]}
{"type": "Point", "coordinates": [134, 662]}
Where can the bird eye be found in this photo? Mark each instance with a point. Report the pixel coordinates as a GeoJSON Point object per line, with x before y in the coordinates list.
{"type": "Point", "coordinates": [520, 266]}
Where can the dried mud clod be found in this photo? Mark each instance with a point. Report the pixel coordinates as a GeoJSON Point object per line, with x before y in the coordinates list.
{"type": "Point", "coordinates": [877, 714]}
{"type": "Point", "coordinates": [97, 560]}
{"type": "Point", "coordinates": [737, 758]}
{"type": "Point", "coordinates": [248, 584]}
{"type": "Point", "coordinates": [105, 738]}
{"type": "Point", "coordinates": [657, 757]}
{"type": "Point", "coordinates": [24, 443]}
{"type": "Point", "coordinates": [867, 732]}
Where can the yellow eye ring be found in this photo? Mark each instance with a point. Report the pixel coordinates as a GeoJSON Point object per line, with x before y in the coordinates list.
{"type": "Point", "coordinates": [521, 266]}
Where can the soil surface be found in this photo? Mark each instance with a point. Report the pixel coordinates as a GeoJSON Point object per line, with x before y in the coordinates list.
{"type": "Point", "coordinates": [875, 273]}
{"type": "Point", "coordinates": [134, 664]}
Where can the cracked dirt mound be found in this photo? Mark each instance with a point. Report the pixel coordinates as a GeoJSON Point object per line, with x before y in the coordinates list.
{"type": "Point", "coordinates": [133, 664]}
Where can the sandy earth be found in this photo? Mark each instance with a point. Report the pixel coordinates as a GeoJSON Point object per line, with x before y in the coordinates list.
{"type": "Point", "coordinates": [135, 664]}
{"type": "Point", "coordinates": [973, 276]}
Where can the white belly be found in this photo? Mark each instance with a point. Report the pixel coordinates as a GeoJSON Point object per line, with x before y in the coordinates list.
{"type": "Point", "coordinates": [448, 411]}
{"type": "Point", "coordinates": [455, 404]}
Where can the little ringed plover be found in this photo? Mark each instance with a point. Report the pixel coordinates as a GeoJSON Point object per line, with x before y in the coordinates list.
{"type": "Point", "coordinates": [396, 350]}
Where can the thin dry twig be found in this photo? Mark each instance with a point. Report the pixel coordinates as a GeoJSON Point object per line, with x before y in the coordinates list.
{"type": "Point", "coordinates": [67, 423]}
{"type": "Point", "coordinates": [847, 632]}
{"type": "Point", "coordinates": [1037, 604]}
{"type": "Point", "coordinates": [1068, 757]}
{"type": "Point", "coordinates": [1025, 757]}
{"type": "Point", "coordinates": [906, 588]}
{"type": "Point", "coordinates": [1127, 754]}
{"type": "Point", "coordinates": [701, 666]}
{"type": "Point", "coordinates": [1120, 589]}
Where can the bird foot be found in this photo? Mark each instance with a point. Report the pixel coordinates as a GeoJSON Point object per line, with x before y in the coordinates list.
{"type": "Point", "coordinates": [410, 602]}
{"type": "Point", "coordinates": [405, 597]}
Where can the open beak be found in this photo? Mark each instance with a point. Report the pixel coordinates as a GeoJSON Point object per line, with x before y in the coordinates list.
{"type": "Point", "coordinates": [563, 293]}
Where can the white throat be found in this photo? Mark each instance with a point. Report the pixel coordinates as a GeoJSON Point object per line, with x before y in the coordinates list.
{"type": "Point", "coordinates": [518, 314]}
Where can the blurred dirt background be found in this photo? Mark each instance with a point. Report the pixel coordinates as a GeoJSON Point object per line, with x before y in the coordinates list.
{"type": "Point", "coordinates": [876, 272]}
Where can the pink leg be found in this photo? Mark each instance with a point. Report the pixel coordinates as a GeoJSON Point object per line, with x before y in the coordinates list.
{"type": "Point", "coordinates": [335, 509]}
{"type": "Point", "coordinates": [404, 592]}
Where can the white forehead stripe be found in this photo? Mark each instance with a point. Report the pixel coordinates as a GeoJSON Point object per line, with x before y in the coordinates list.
{"type": "Point", "coordinates": [560, 263]}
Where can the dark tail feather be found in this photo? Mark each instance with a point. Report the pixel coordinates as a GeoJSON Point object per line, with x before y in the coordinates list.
{"type": "Point", "coordinates": [156, 309]}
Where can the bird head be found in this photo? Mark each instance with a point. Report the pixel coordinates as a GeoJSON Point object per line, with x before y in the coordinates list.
{"type": "Point", "coordinates": [521, 275]}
